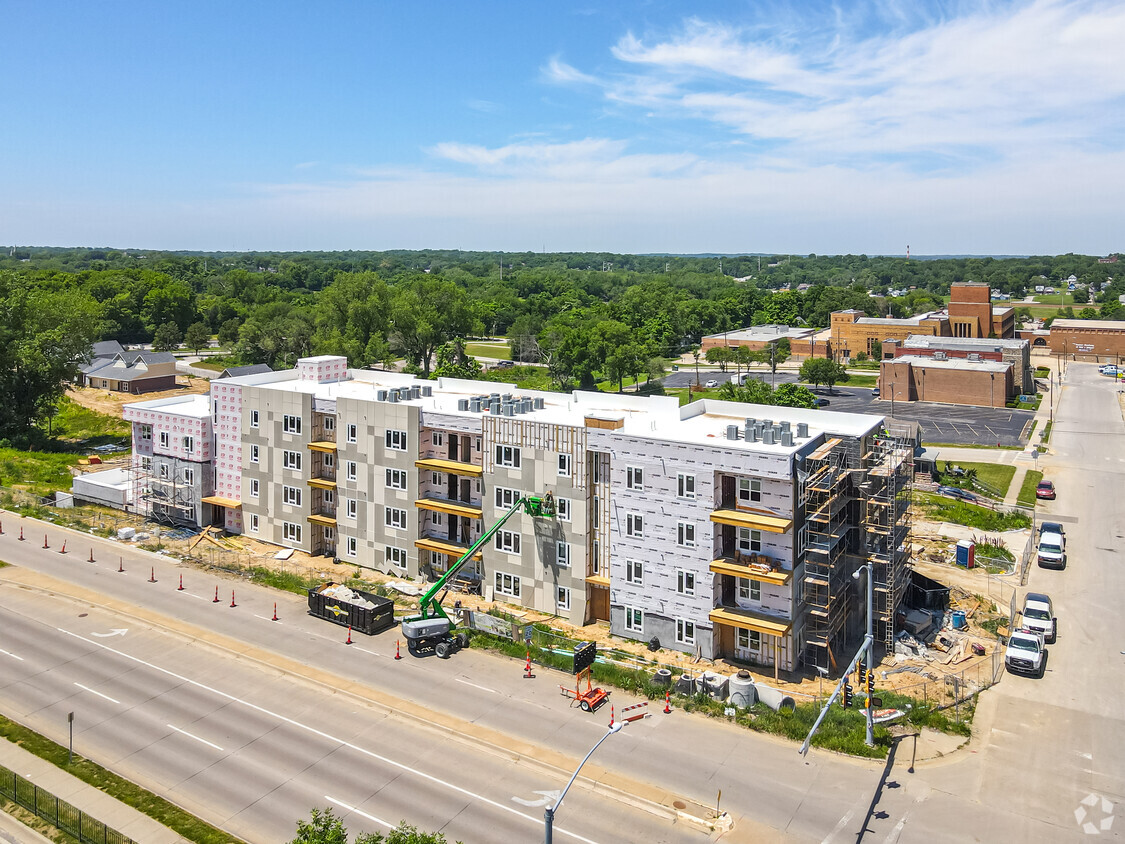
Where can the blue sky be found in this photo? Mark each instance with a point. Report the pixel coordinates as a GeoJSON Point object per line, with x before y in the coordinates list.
{"type": "Point", "coordinates": [961, 127]}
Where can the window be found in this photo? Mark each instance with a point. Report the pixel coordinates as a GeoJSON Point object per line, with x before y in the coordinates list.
{"type": "Point", "coordinates": [290, 532]}
{"type": "Point", "coordinates": [802, 539]}
{"type": "Point", "coordinates": [634, 572]}
{"type": "Point", "coordinates": [635, 478]}
{"type": "Point", "coordinates": [163, 439]}
{"type": "Point", "coordinates": [562, 554]}
{"type": "Point", "coordinates": [437, 478]}
{"type": "Point", "coordinates": [328, 496]}
{"type": "Point", "coordinates": [164, 471]}
{"type": "Point", "coordinates": [291, 495]}
{"type": "Point", "coordinates": [253, 454]}
{"type": "Point", "coordinates": [749, 541]}
{"type": "Point", "coordinates": [437, 519]}
{"type": "Point", "coordinates": [353, 433]}
{"type": "Point", "coordinates": [252, 523]}
{"type": "Point", "coordinates": [685, 582]}
{"type": "Point", "coordinates": [507, 584]}
{"type": "Point", "coordinates": [508, 455]}
{"type": "Point", "coordinates": [396, 556]}
{"type": "Point", "coordinates": [189, 443]}
{"type": "Point", "coordinates": [562, 599]}
{"type": "Point", "coordinates": [437, 439]}
{"type": "Point", "coordinates": [396, 479]}
{"type": "Point", "coordinates": [395, 518]}
{"type": "Point", "coordinates": [396, 440]}
{"type": "Point", "coordinates": [597, 470]}
{"type": "Point", "coordinates": [685, 631]}
{"type": "Point", "coordinates": [508, 541]}
{"type": "Point", "coordinates": [189, 476]}
{"type": "Point", "coordinates": [351, 472]}
{"type": "Point", "coordinates": [146, 463]}
{"type": "Point", "coordinates": [562, 509]}
{"type": "Point", "coordinates": [634, 525]}
{"type": "Point", "coordinates": [253, 419]}
{"type": "Point", "coordinates": [291, 424]}
{"type": "Point", "coordinates": [291, 460]}
{"type": "Point", "coordinates": [749, 640]}
{"type": "Point", "coordinates": [146, 432]}
{"type": "Point", "coordinates": [476, 443]}
{"type": "Point", "coordinates": [749, 490]}
{"type": "Point", "coordinates": [565, 464]}
{"type": "Point", "coordinates": [351, 546]}
{"type": "Point", "coordinates": [749, 590]}
{"type": "Point", "coordinates": [329, 461]}
{"type": "Point", "coordinates": [330, 535]}
{"type": "Point", "coordinates": [351, 507]}
{"type": "Point", "coordinates": [685, 485]}
{"type": "Point", "coordinates": [634, 620]}
{"type": "Point", "coordinates": [596, 515]}
{"type": "Point", "coordinates": [255, 487]}
{"type": "Point", "coordinates": [685, 534]}
{"type": "Point", "coordinates": [506, 497]}
{"type": "Point", "coordinates": [329, 423]}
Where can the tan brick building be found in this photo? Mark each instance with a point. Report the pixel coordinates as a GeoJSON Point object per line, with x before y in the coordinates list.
{"type": "Point", "coordinates": [983, 383]}
{"type": "Point", "coordinates": [1101, 340]}
{"type": "Point", "coordinates": [759, 337]}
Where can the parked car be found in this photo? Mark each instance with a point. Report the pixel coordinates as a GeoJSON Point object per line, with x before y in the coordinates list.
{"type": "Point", "coordinates": [1052, 551]}
{"type": "Point", "coordinates": [1046, 489]}
{"type": "Point", "coordinates": [711, 383]}
{"type": "Point", "coordinates": [1039, 615]}
{"type": "Point", "coordinates": [1051, 527]}
{"type": "Point", "coordinates": [505, 364]}
{"type": "Point", "coordinates": [822, 402]}
{"type": "Point", "coordinates": [875, 392]}
{"type": "Point", "coordinates": [1108, 369]}
{"type": "Point", "coordinates": [957, 492]}
{"type": "Point", "coordinates": [1025, 653]}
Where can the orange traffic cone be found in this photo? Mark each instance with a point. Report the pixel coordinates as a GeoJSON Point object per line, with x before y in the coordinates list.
{"type": "Point", "coordinates": [216, 596]}
{"type": "Point", "coordinates": [398, 653]}
{"type": "Point", "coordinates": [527, 675]}
{"type": "Point", "coordinates": [232, 603]}
{"type": "Point", "coordinates": [274, 611]}
{"type": "Point", "coordinates": [21, 533]}
{"type": "Point", "coordinates": [349, 636]}
{"type": "Point", "coordinates": [181, 586]}
{"type": "Point", "coordinates": [45, 545]}
{"type": "Point", "coordinates": [91, 556]}
{"type": "Point", "coordinates": [611, 715]}
{"type": "Point", "coordinates": [667, 703]}
{"type": "Point", "coordinates": [63, 549]}
{"type": "Point", "coordinates": [152, 575]}
{"type": "Point", "coordinates": [120, 564]}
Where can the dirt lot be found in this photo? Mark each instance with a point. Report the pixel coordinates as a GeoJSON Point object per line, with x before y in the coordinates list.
{"type": "Point", "coordinates": [104, 401]}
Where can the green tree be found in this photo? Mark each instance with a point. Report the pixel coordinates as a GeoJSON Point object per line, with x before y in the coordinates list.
{"type": "Point", "coordinates": [425, 313]}
{"type": "Point", "coordinates": [453, 362]}
{"type": "Point", "coordinates": [197, 336]}
{"type": "Point", "coordinates": [720, 355]}
{"type": "Point", "coordinates": [654, 368]}
{"type": "Point", "coordinates": [404, 833]}
{"type": "Point", "coordinates": [794, 395]}
{"type": "Point", "coordinates": [167, 337]}
{"type": "Point", "coordinates": [228, 332]}
{"type": "Point", "coordinates": [819, 371]}
{"type": "Point", "coordinates": [752, 391]}
{"type": "Point", "coordinates": [322, 827]}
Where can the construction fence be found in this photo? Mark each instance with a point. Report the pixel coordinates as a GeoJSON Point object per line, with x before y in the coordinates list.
{"type": "Point", "coordinates": [57, 812]}
{"type": "Point", "coordinates": [951, 691]}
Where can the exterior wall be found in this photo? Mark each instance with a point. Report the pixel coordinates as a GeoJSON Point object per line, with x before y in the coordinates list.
{"type": "Point", "coordinates": [849, 337]}
{"type": "Point", "coordinates": [1088, 343]}
{"type": "Point", "coordinates": [226, 415]}
{"type": "Point", "coordinates": [135, 386]}
{"type": "Point", "coordinates": [948, 386]}
{"type": "Point", "coordinates": [970, 310]}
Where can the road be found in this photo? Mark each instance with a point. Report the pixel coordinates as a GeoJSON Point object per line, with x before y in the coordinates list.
{"type": "Point", "coordinates": [1041, 746]}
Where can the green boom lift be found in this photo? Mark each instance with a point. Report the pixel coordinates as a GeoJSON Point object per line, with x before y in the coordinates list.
{"type": "Point", "coordinates": [432, 629]}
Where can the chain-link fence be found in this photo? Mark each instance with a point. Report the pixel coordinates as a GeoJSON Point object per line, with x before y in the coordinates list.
{"type": "Point", "coordinates": [57, 812]}
{"type": "Point", "coordinates": [952, 691]}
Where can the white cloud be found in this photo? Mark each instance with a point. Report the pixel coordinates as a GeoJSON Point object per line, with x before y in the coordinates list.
{"type": "Point", "coordinates": [589, 158]}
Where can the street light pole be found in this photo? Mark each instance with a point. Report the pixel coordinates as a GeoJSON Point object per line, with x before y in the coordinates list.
{"type": "Point", "coordinates": [869, 739]}
{"type": "Point", "coordinates": [549, 812]}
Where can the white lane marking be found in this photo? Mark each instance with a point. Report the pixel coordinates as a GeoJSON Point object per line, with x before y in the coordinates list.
{"type": "Point", "coordinates": [116, 631]}
{"type": "Point", "coordinates": [844, 821]}
{"type": "Point", "coordinates": [193, 595]}
{"type": "Point", "coordinates": [266, 618]}
{"type": "Point", "coordinates": [197, 738]}
{"type": "Point", "coordinates": [99, 694]}
{"type": "Point", "coordinates": [12, 655]}
{"type": "Point", "coordinates": [893, 835]}
{"type": "Point", "coordinates": [358, 648]}
{"type": "Point", "coordinates": [475, 686]}
{"type": "Point", "coordinates": [480, 798]}
{"type": "Point", "coordinates": [348, 808]}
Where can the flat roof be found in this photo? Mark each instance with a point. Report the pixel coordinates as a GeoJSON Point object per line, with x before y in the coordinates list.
{"type": "Point", "coordinates": [927, 341]}
{"type": "Point", "coordinates": [763, 333]}
{"type": "Point", "coordinates": [914, 320]}
{"type": "Point", "coordinates": [1112, 324]}
{"type": "Point", "coordinates": [194, 405]}
{"type": "Point", "coordinates": [925, 362]}
{"type": "Point", "coordinates": [703, 422]}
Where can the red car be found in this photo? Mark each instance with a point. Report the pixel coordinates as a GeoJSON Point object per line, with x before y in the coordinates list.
{"type": "Point", "coordinates": [1046, 489]}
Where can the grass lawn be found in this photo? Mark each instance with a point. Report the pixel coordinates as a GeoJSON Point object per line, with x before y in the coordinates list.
{"type": "Point", "coordinates": [79, 424]}
{"type": "Point", "coordinates": [939, 509]}
{"type": "Point", "coordinates": [1046, 435]}
{"type": "Point", "coordinates": [997, 476]}
{"type": "Point", "coordinates": [860, 381]}
{"type": "Point", "coordinates": [38, 472]}
{"type": "Point", "coordinates": [500, 351]}
{"type": "Point", "coordinates": [1031, 480]}
{"type": "Point", "coordinates": [206, 363]}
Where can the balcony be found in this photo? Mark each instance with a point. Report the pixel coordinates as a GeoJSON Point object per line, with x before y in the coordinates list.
{"type": "Point", "coordinates": [221, 501]}
{"type": "Point", "coordinates": [753, 519]}
{"type": "Point", "coordinates": [769, 625]}
{"type": "Point", "coordinates": [752, 567]}
{"type": "Point", "coordinates": [444, 546]}
{"type": "Point", "coordinates": [323, 519]}
{"type": "Point", "coordinates": [452, 467]}
{"type": "Point", "coordinates": [322, 483]}
{"type": "Point", "coordinates": [323, 446]}
{"type": "Point", "coordinates": [463, 509]}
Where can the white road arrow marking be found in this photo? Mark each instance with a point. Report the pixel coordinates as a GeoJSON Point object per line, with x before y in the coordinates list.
{"type": "Point", "coordinates": [117, 631]}
{"type": "Point", "coordinates": [548, 798]}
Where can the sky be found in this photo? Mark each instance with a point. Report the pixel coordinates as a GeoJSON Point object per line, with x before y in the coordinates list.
{"type": "Point", "coordinates": [634, 127]}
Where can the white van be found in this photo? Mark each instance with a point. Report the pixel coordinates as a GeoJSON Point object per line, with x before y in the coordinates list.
{"type": "Point", "coordinates": [1052, 551]}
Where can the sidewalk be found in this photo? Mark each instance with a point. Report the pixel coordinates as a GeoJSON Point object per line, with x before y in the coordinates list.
{"type": "Point", "coordinates": [125, 819]}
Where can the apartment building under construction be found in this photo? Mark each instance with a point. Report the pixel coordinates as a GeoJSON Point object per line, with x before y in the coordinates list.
{"type": "Point", "coordinates": [720, 528]}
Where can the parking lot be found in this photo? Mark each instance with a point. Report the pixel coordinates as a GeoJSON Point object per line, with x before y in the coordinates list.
{"type": "Point", "coordinates": [940, 423]}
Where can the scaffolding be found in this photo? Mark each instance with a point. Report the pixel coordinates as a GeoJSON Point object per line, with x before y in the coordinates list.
{"type": "Point", "coordinates": [827, 491]}
{"type": "Point", "coordinates": [164, 491]}
{"type": "Point", "coordinates": [885, 495]}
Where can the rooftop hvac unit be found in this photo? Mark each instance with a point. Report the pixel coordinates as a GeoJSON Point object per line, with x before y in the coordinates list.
{"type": "Point", "coordinates": [494, 396]}
{"type": "Point", "coordinates": [415, 392]}
{"type": "Point", "coordinates": [750, 421]}
{"type": "Point", "coordinates": [474, 404]}
{"type": "Point", "coordinates": [427, 390]}
{"type": "Point", "coordinates": [507, 397]}
{"type": "Point", "coordinates": [751, 435]}
{"type": "Point", "coordinates": [539, 404]}
{"type": "Point", "coordinates": [803, 430]}
{"type": "Point", "coordinates": [494, 408]}
{"type": "Point", "coordinates": [766, 423]}
{"type": "Point", "coordinates": [732, 432]}
{"type": "Point", "coordinates": [785, 425]}
{"type": "Point", "coordinates": [392, 397]}
{"type": "Point", "coordinates": [787, 438]}
{"type": "Point", "coordinates": [381, 395]}
{"type": "Point", "coordinates": [404, 393]}
{"type": "Point", "coordinates": [767, 436]}
{"type": "Point", "coordinates": [462, 404]}
{"type": "Point", "coordinates": [974, 356]}
{"type": "Point", "coordinates": [509, 410]}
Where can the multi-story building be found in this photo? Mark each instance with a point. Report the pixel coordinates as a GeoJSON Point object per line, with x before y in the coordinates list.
{"type": "Point", "coordinates": [707, 527]}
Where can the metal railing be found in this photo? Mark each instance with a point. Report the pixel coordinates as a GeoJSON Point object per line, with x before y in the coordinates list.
{"type": "Point", "coordinates": [57, 812]}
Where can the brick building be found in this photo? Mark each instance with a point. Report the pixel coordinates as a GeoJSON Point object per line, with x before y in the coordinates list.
{"type": "Point", "coordinates": [759, 337]}
{"type": "Point", "coordinates": [1101, 340]}
{"type": "Point", "coordinates": [1015, 352]}
{"type": "Point", "coordinates": [979, 382]}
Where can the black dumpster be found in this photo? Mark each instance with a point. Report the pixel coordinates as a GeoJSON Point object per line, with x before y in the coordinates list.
{"type": "Point", "coordinates": [364, 612]}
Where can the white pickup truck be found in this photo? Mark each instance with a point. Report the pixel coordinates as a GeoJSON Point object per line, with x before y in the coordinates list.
{"type": "Point", "coordinates": [1039, 615]}
{"type": "Point", "coordinates": [1025, 653]}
